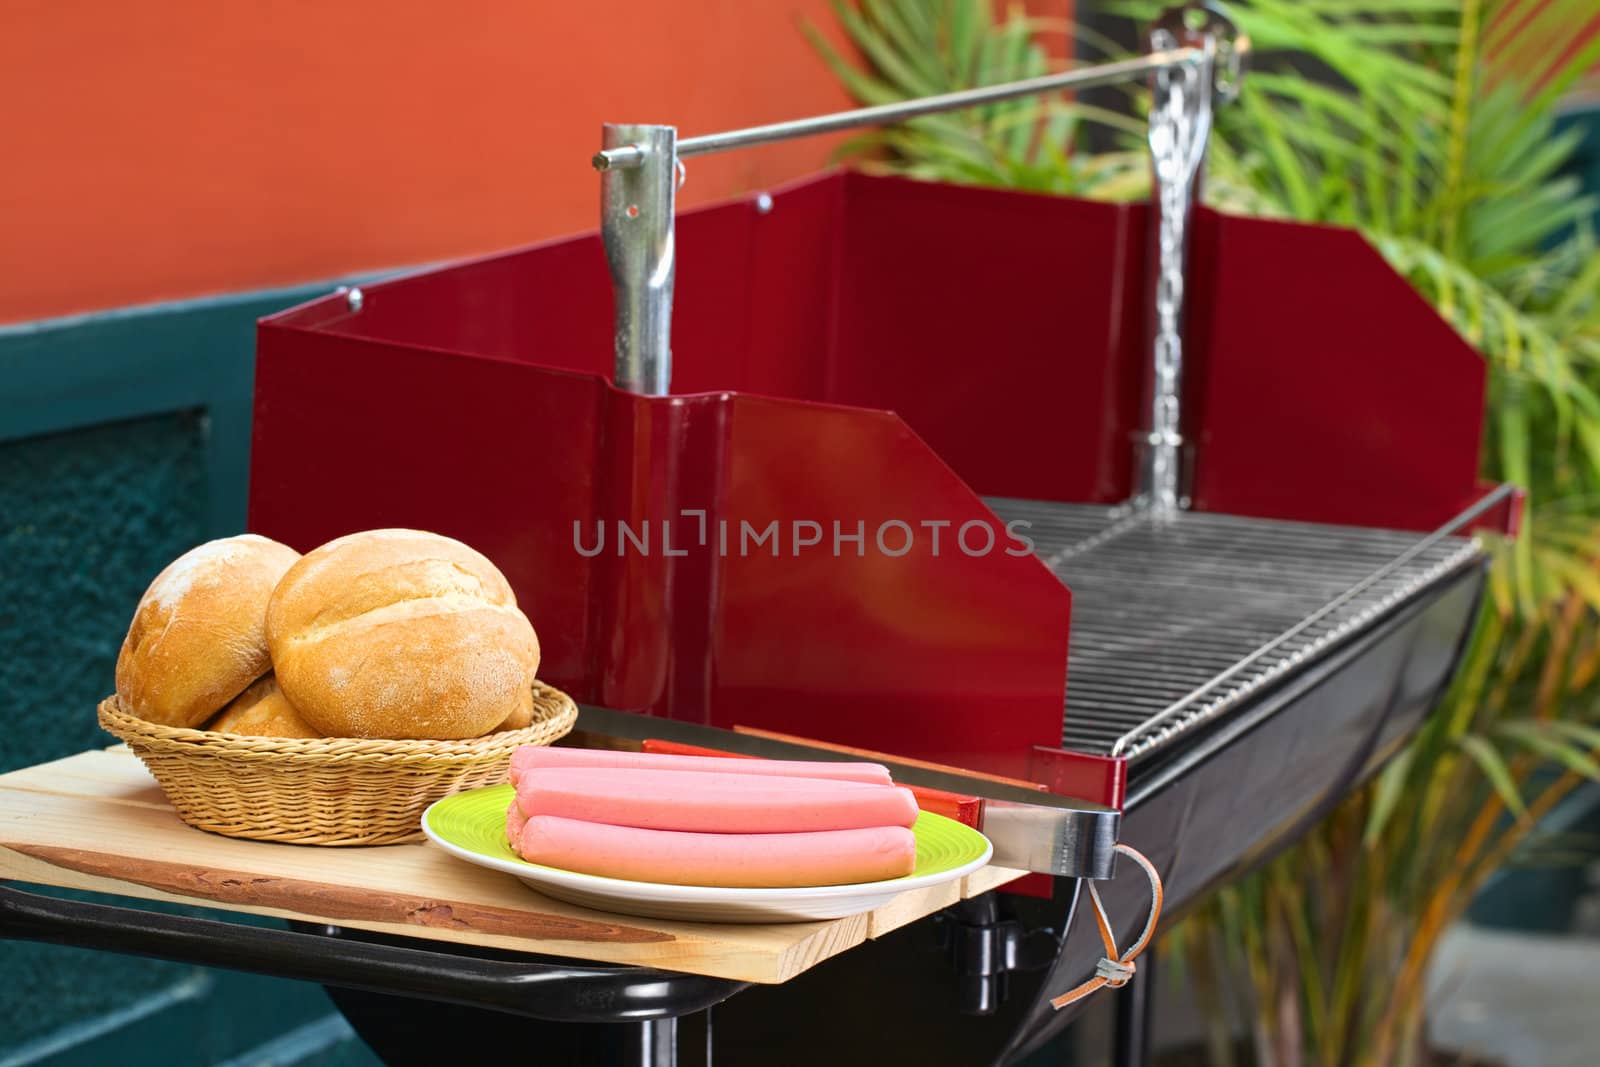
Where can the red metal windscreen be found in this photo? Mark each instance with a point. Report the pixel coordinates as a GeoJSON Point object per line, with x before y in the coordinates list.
{"type": "Point", "coordinates": [870, 351]}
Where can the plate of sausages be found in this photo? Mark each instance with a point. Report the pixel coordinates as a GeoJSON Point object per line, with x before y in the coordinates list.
{"type": "Point", "coordinates": [705, 839]}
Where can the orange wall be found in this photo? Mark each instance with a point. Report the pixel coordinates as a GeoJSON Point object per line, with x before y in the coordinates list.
{"type": "Point", "coordinates": [180, 147]}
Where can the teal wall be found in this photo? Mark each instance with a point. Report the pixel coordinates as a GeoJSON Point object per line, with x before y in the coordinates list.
{"type": "Point", "coordinates": [124, 441]}
{"type": "Point", "coordinates": [1586, 158]}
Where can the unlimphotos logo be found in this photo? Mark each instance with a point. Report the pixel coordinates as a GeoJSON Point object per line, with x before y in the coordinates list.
{"type": "Point", "coordinates": [796, 537]}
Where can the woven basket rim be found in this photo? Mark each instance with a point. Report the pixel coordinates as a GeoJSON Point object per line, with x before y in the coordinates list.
{"type": "Point", "coordinates": [552, 709]}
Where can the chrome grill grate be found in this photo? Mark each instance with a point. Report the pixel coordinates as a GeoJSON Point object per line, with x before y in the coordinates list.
{"type": "Point", "coordinates": [1170, 616]}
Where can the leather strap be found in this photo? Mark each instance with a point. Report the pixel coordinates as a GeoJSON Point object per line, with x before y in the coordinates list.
{"type": "Point", "coordinates": [1116, 968]}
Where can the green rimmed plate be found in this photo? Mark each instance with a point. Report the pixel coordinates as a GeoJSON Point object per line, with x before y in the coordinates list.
{"type": "Point", "coordinates": [472, 826]}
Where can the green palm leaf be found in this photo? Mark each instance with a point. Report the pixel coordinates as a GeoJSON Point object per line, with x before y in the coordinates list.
{"type": "Point", "coordinates": [1496, 770]}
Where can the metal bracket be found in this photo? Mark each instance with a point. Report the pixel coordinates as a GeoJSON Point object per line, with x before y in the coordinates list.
{"type": "Point", "coordinates": [984, 949]}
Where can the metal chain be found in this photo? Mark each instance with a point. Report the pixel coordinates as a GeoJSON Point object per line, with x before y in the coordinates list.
{"type": "Point", "coordinates": [1180, 126]}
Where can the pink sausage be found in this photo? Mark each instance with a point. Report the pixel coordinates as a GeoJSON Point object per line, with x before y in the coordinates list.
{"type": "Point", "coordinates": [515, 821]}
{"type": "Point", "coordinates": [541, 757]}
{"type": "Point", "coordinates": [704, 802]}
{"type": "Point", "coordinates": [830, 857]}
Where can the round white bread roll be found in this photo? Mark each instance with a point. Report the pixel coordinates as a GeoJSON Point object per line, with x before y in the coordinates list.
{"type": "Point", "coordinates": [401, 634]}
{"type": "Point", "coordinates": [198, 637]}
{"type": "Point", "coordinates": [521, 716]}
{"type": "Point", "coordinates": [261, 711]}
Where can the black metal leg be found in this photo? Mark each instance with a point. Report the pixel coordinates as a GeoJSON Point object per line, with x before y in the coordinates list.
{"type": "Point", "coordinates": [1135, 1004]}
{"type": "Point", "coordinates": [654, 1043]}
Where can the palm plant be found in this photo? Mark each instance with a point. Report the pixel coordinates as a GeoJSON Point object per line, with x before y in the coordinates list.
{"type": "Point", "coordinates": [1429, 127]}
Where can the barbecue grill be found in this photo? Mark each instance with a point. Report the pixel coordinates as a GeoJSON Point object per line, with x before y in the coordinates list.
{"type": "Point", "coordinates": [1243, 454]}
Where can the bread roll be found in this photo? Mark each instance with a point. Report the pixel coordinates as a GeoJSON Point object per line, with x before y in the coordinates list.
{"type": "Point", "coordinates": [521, 716]}
{"type": "Point", "coordinates": [403, 634]}
{"type": "Point", "coordinates": [198, 636]}
{"type": "Point", "coordinates": [262, 711]}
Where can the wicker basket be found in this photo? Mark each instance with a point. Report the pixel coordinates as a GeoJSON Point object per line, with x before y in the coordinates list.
{"type": "Point", "coordinates": [326, 790]}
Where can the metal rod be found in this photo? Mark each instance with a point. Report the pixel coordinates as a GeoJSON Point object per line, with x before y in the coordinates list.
{"type": "Point", "coordinates": [1489, 500]}
{"type": "Point", "coordinates": [641, 164]}
{"type": "Point", "coordinates": [636, 224]}
{"type": "Point", "coordinates": [628, 156]}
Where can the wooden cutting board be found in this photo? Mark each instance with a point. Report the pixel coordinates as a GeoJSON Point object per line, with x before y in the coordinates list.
{"type": "Point", "coordinates": [98, 821]}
